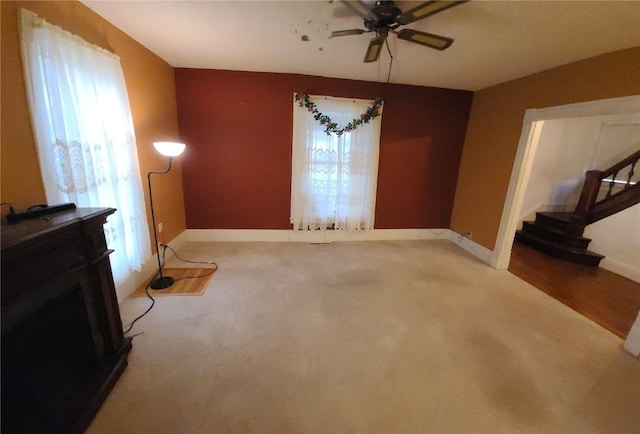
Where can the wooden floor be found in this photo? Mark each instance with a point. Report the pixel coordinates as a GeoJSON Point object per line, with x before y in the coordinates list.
{"type": "Point", "coordinates": [188, 281]}
{"type": "Point", "coordinates": [608, 299]}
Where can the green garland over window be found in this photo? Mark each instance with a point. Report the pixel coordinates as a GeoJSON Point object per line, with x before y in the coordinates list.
{"type": "Point", "coordinates": [304, 100]}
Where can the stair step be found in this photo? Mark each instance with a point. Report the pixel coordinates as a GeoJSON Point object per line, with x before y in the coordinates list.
{"type": "Point", "coordinates": [579, 256]}
{"type": "Point", "coordinates": [558, 221]}
{"type": "Point", "coordinates": [578, 242]}
{"type": "Point", "coordinates": [553, 220]}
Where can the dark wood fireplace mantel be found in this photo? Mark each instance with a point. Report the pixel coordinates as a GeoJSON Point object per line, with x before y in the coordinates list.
{"type": "Point", "coordinates": [62, 343]}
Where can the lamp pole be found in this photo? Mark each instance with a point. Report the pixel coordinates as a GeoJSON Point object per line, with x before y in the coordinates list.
{"type": "Point", "coordinates": [161, 282]}
{"type": "Point", "coordinates": [170, 150]}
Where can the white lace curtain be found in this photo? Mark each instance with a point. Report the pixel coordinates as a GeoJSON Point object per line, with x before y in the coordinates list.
{"type": "Point", "coordinates": [334, 178]}
{"type": "Point", "coordinates": [84, 133]}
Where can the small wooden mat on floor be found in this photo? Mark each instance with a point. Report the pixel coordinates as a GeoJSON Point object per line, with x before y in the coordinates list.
{"type": "Point", "coordinates": [185, 283]}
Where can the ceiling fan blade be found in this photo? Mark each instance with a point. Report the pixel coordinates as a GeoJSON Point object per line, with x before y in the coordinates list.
{"type": "Point", "coordinates": [347, 32]}
{"type": "Point", "coordinates": [361, 9]}
{"type": "Point", "coordinates": [427, 39]}
{"type": "Point", "coordinates": [373, 51]}
{"type": "Point", "coordinates": [426, 9]}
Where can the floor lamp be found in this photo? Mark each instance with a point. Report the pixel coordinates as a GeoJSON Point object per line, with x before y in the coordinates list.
{"type": "Point", "coordinates": [168, 149]}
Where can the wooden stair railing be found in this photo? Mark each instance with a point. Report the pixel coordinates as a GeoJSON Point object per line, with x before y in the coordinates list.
{"type": "Point", "coordinates": [559, 234]}
{"type": "Point", "coordinates": [590, 208]}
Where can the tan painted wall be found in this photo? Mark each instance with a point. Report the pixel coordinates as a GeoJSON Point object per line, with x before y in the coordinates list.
{"type": "Point", "coordinates": [151, 87]}
{"type": "Point", "coordinates": [495, 125]}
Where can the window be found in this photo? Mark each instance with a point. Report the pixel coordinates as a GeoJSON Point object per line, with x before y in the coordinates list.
{"type": "Point", "coordinates": [84, 133]}
{"type": "Point", "coordinates": [334, 176]}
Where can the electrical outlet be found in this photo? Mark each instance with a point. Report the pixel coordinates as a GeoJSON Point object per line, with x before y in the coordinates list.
{"type": "Point", "coordinates": [159, 227]}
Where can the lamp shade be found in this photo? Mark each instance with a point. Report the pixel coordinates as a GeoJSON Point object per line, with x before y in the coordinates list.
{"type": "Point", "coordinates": [169, 149]}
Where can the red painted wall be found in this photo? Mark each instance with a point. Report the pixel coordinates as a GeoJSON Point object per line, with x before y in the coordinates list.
{"type": "Point", "coordinates": [237, 166]}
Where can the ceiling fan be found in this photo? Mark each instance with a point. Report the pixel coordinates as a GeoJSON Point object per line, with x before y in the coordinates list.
{"type": "Point", "coordinates": [385, 17]}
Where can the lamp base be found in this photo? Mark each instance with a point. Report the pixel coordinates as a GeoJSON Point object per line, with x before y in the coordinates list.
{"type": "Point", "coordinates": [162, 282]}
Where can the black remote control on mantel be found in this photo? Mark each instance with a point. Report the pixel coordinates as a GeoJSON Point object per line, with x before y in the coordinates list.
{"type": "Point", "coordinates": [40, 211]}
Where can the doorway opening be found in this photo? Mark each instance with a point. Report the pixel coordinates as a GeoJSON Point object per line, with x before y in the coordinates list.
{"type": "Point", "coordinates": [556, 148]}
{"type": "Point", "coordinates": [530, 139]}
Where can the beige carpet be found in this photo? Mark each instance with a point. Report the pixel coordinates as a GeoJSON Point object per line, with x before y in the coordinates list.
{"type": "Point", "coordinates": [375, 337]}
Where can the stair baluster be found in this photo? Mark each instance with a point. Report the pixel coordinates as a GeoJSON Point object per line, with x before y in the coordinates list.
{"type": "Point", "coordinates": [612, 183]}
{"type": "Point", "coordinates": [631, 173]}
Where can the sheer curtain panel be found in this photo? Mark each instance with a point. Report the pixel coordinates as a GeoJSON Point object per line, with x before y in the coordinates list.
{"type": "Point", "coordinates": [84, 133]}
{"type": "Point", "coordinates": [334, 177]}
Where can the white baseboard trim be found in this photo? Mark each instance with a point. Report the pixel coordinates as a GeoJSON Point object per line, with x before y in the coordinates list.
{"type": "Point", "coordinates": [150, 266]}
{"type": "Point", "coordinates": [477, 250]}
{"type": "Point", "coordinates": [320, 237]}
{"type": "Point", "coordinates": [622, 269]}
{"type": "Point", "coordinates": [289, 235]}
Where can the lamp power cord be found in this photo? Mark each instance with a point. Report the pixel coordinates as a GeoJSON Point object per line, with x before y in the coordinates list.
{"type": "Point", "coordinates": [129, 326]}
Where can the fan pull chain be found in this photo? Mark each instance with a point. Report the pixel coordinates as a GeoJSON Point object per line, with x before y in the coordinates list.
{"type": "Point", "coordinates": [386, 42]}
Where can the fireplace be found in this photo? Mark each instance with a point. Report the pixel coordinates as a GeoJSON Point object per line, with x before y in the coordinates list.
{"type": "Point", "coordinates": [62, 342]}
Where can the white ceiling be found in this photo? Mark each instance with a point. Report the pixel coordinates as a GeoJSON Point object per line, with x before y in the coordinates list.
{"type": "Point", "coordinates": [495, 41]}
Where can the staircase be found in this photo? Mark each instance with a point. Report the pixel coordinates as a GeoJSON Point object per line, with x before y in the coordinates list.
{"type": "Point", "coordinates": [604, 193]}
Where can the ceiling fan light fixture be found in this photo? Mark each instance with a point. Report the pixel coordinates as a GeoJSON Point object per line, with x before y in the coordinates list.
{"type": "Point", "coordinates": [385, 17]}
